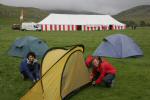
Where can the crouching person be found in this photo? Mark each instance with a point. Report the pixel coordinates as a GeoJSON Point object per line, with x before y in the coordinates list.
{"type": "Point", "coordinates": [30, 67]}
{"type": "Point", "coordinates": [102, 71]}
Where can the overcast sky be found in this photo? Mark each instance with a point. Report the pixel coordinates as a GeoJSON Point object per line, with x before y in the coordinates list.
{"type": "Point", "coordinates": [100, 6]}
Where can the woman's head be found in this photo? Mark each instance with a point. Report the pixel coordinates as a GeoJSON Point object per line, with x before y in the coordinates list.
{"type": "Point", "coordinates": [31, 56]}
{"type": "Point", "coordinates": [93, 61]}
{"type": "Point", "coordinates": [96, 61]}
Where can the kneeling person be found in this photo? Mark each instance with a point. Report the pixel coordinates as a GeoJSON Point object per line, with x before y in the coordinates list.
{"type": "Point", "coordinates": [102, 71]}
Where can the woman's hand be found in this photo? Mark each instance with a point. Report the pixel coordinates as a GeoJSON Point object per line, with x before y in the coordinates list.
{"type": "Point", "coordinates": [91, 76]}
{"type": "Point", "coordinates": [93, 83]}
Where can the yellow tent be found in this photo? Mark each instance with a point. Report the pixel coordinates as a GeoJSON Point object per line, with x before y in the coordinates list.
{"type": "Point", "coordinates": [63, 71]}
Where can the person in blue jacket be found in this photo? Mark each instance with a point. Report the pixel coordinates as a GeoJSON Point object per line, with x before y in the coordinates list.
{"type": "Point", "coordinates": [30, 68]}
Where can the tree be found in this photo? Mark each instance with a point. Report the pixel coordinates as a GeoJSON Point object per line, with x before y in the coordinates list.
{"type": "Point", "coordinates": [130, 23]}
{"type": "Point", "coordinates": [142, 23]}
{"type": "Point", "coordinates": [147, 24]}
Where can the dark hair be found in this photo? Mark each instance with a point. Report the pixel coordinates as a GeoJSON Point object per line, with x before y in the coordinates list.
{"type": "Point", "coordinates": [31, 54]}
{"type": "Point", "coordinates": [99, 58]}
{"type": "Point", "coordinates": [95, 57]}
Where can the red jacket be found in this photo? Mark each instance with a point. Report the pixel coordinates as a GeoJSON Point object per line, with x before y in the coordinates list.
{"type": "Point", "coordinates": [104, 68]}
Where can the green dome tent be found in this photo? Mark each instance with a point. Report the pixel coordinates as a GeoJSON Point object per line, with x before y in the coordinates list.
{"type": "Point", "coordinates": [22, 46]}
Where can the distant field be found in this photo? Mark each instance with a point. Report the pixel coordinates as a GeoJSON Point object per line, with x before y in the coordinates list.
{"type": "Point", "coordinates": [133, 78]}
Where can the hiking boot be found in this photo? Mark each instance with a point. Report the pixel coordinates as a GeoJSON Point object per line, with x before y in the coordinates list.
{"type": "Point", "coordinates": [37, 79]}
{"type": "Point", "coordinates": [112, 83]}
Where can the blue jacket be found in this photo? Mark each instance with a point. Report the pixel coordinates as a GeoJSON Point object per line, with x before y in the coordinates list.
{"type": "Point", "coordinates": [30, 69]}
{"type": "Point", "coordinates": [24, 66]}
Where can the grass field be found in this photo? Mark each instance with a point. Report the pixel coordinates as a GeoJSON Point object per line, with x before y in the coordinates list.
{"type": "Point", "coordinates": [133, 76]}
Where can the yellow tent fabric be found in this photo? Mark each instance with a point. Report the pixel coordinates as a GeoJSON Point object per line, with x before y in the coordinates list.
{"type": "Point", "coordinates": [51, 58]}
{"type": "Point", "coordinates": [63, 71]}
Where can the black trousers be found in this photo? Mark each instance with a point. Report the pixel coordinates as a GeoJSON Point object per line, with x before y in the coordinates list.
{"type": "Point", "coordinates": [108, 79]}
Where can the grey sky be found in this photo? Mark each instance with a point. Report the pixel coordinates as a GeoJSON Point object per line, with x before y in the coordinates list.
{"type": "Point", "coordinates": [100, 6]}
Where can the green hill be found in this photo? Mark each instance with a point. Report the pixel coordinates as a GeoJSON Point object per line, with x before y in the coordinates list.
{"type": "Point", "coordinates": [9, 14]}
{"type": "Point", "coordinates": [136, 14]}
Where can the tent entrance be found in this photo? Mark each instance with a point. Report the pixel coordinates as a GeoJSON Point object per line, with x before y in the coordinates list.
{"type": "Point", "coordinates": [74, 68]}
{"type": "Point", "coordinates": [79, 27]}
{"type": "Point", "coordinates": [110, 27]}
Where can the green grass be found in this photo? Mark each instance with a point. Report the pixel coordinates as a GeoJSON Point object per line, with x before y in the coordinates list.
{"type": "Point", "coordinates": [133, 78]}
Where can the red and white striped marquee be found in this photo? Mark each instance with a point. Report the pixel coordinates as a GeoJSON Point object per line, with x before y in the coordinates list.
{"type": "Point", "coordinates": [70, 22]}
{"type": "Point", "coordinates": [46, 27]}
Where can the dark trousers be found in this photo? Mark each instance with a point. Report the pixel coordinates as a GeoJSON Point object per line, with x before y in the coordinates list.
{"type": "Point", "coordinates": [108, 79]}
{"type": "Point", "coordinates": [33, 74]}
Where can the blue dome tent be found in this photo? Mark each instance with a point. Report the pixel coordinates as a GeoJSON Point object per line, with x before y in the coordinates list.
{"type": "Point", "coordinates": [22, 46]}
{"type": "Point", "coordinates": [118, 46]}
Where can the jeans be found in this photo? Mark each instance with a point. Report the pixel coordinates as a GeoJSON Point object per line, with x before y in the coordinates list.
{"type": "Point", "coordinates": [108, 80]}
{"type": "Point", "coordinates": [33, 74]}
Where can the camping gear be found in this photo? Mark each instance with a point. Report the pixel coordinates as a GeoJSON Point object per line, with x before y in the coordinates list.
{"type": "Point", "coordinates": [63, 71]}
{"type": "Point", "coordinates": [23, 45]}
{"type": "Point", "coordinates": [118, 46]}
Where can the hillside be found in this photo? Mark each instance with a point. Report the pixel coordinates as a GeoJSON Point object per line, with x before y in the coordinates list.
{"type": "Point", "coordinates": [9, 14]}
{"type": "Point", "coordinates": [136, 14]}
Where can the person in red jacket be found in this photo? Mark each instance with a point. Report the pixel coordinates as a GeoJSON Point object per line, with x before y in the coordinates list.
{"type": "Point", "coordinates": [103, 71]}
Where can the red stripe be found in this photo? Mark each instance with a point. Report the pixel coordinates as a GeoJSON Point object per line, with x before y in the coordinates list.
{"type": "Point", "coordinates": [51, 28]}
{"type": "Point", "coordinates": [64, 27]}
{"type": "Point", "coordinates": [102, 27]}
{"type": "Point", "coordinates": [68, 28]}
{"type": "Point", "coordinates": [84, 27]}
{"type": "Point", "coordinates": [55, 27]}
{"type": "Point", "coordinates": [42, 27]}
{"type": "Point", "coordinates": [115, 27]}
{"type": "Point", "coordinates": [99, 27]}
{"type": "Point", "coordinates": [76, 27]}
{"type": "Point", "coordinates": [46, 27]}
{"type": "Point", "coordinates": [72, 27]}
{"type": "Point", "coordinates": [59, 27]}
